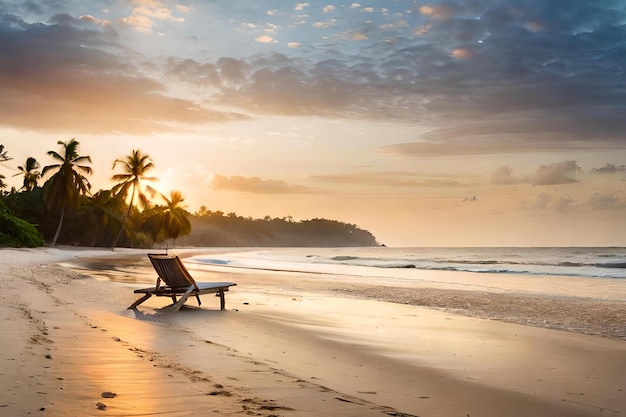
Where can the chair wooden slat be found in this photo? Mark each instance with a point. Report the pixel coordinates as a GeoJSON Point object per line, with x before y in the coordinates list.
{"type": "Point", "coordinates": [175, 280]}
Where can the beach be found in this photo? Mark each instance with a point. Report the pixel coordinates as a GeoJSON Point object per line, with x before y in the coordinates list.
{"type": "Point", "coordinates": [301, 344]}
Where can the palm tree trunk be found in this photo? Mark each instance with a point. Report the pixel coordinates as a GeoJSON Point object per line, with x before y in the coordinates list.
{"type": "Point", "coordinates": [56, 235]}
{"type": "Point", "coordinates": [130, 206]}
{"type": "Point", "coordinates": [95, 240]}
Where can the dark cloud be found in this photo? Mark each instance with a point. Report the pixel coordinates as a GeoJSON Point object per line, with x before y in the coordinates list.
{"type": "Point", "coordinates": [487, 77]}
{"type": "Point", "coordinates": [71, 75]}
{"type": "Point", "coordinates": [480, 76]}
{"type": "Point", "coordinates": [256, 185]}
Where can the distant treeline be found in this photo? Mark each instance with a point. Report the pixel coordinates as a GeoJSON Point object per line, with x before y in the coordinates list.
{"type": "Point", "coordinates": [213, 228]}
{"type": "Point", "coordinates": [132, 214]}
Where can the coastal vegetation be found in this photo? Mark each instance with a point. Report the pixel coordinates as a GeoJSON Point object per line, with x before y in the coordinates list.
{"type": "Point", "coordinates": [57, 206]}
{"type": "Point", "coordinates": [17, 233]}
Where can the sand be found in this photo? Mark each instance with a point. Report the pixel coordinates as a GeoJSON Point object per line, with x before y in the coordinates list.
{"type": "Point", "coordinates": [290, 344]}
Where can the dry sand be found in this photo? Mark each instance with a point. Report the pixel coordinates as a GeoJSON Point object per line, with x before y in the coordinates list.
{"type": "Point", "coordinates": [292, 345]}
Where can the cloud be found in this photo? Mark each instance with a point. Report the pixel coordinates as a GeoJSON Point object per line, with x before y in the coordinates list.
{"type": "Point", "coordinates": [545, 202]}
{"type": "Point", "coordinates": [93, 20]}
{"type": "Point", "coordinates": [160, 13]}
{"type": "Point", "coordinates": [567, 204]}
{"type": "Point", "coordinates": [559, 173]}
{"type": "Point", "coordinates": [495, 94]}
{"type": "Point", "coordinates": [147, 12]}
{"type": "Point", "coordinates": [301, 6]}
{"type": "Point", "coordinates": [183, 9]}
{"type": "Point", "coordinates": [542, 202]}
{"type": "Point", "coordinates": [140, 22]}
{"type": "Point", "coordinates": [478, 83]}
{"type": "Point", "coordinates": [600, 201]}
{"type": "Point", "coordinates": [438, 11]}
{"type": "Point", "coordinates": [143, 16]}
{"type": "Point", "coordinates": [518, 76]}
{"type": "Point", "coordinates": [359, 36]}
{"type": "Point", "coordinates": [462, 53]}
{"type": "Point", "coordinates": [233, 72]}
{"type": "Point", "coordinates": [325, 24]}
{"type": "Point", "coordinates": [255, 185]}
{"type": "Point", "coordinates": [328, 9]}
{"type": "Point", "coordinates": [422, 30]}
{"type": "Point", "coordinates": [610, 169]}
{"type": "Point", "coordinates": [264, 39]}
{"type": "Point", "coordinates": [204, 75]}
{"type": "Point", "coordinates": [71, 75]}
{"type": "Point", "coordinates": [503, 175]}
{"type": "Point", "coordinates": [563, 204]}
{"type": "Point", "coordinates": [387, 179]}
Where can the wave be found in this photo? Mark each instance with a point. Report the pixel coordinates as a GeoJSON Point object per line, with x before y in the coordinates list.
{"type": "Point", "coordinates": [343, 258]}
{"type": "Point", "coordinates": [487, 266]}
{"type": "Point", "coordinates": [582, 262]}
{"type": "Point", "coordinates": [371, 262]}
{"type": "Point", "coordinates": [616, 265]}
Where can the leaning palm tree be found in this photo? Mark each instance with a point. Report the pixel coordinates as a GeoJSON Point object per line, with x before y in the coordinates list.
{"type": "Point", "coordinates": [30, 173]}
{"type": "Point", "coordinates": [67, 184]}
{"type": "Point", "coordinates": [135, 167]}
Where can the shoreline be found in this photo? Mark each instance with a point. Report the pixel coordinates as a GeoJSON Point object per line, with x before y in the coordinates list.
{"type": "Point", "coordinates": [573, 311]}
{"type": "Point", "coordinates": [291, 350]}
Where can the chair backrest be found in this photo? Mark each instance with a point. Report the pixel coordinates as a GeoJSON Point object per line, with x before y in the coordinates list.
{"type": "Point", "coordinates": [172, 271]}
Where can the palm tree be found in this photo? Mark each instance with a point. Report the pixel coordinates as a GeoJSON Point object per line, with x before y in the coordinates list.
{"type": "Point", "coordinates": [30, 173]}
{"type": "Point", "coordinates": [64, 187]}
{"type": "Point", "coordinates": [170, 221]}
{"type": "Point", "coordinates": [135, 167]}
{"type": "Point", "coordinates": [175, 217]}
{"type": "Point", "coordinates": [3, 158]}
{"type": "Point", "coordinates": [3, 154]}
{"type": "Point", "coordinates": [103, 208]}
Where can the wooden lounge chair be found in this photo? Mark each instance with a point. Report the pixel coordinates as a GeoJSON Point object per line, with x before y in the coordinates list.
{"type": "Point", "coordinates": [174, 280]}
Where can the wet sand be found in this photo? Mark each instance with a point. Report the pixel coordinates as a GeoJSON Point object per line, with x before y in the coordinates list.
{"type": "Point", "coordinates": [288, 344]}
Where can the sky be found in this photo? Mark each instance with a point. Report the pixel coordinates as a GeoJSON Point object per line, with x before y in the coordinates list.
{"type": "Point", "coordinates": [428, 123]}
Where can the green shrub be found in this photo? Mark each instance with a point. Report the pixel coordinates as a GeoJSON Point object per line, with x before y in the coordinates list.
{"type": "Point", "coordinates": [17, 233]}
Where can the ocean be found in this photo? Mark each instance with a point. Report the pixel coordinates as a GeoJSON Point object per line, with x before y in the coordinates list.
{"type": "Point", "coordinates": [593, 262]}
{"type": "Point", "coordinates": [598, 273]}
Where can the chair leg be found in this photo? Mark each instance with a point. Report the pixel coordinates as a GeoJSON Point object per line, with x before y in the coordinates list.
{"type": "Point", "coordinates": [177, 305]}
{"type": "Point", "coordinates": [141, 300]}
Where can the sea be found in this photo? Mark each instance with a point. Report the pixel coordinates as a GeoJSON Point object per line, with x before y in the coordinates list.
{"type": "Point", "coordinates": [592, 272]}
{"type": "Point", "coordinates": [589, 262]}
